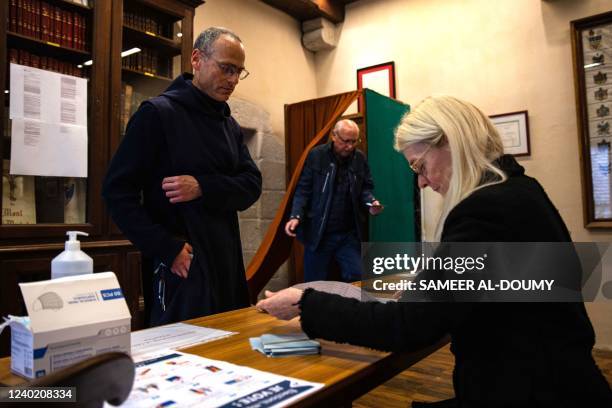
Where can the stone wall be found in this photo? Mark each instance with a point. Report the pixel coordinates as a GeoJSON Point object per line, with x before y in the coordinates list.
{"type": "Point", "coordinates": [268, 152]}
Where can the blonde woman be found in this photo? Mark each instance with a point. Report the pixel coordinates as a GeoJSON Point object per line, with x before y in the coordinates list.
{"type": "Point", "coordinates": [506, 354]}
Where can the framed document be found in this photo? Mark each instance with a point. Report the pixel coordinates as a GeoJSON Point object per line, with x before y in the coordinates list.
{"type": "Point", "coordinates": [379, 78]}
{"type": "Point", "coordinates": [514, 131]}
{"type": "Point", "coordinates": [592, 54]}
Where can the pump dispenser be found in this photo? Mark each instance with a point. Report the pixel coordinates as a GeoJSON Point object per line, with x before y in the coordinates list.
{"type": "Point", "coordinates": [72, 261]}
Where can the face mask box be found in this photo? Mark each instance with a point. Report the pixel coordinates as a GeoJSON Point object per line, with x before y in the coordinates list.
{"type": "Point", "coordinates": [71, 319]}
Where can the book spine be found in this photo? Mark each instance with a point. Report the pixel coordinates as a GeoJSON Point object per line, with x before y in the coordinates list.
{"type": "Point", "coordinates": [26, 17]}
{"type": "Point", "coordinates": [70, 30]}
{"type": "Point", "coordinates": [35, 61]}
{"type": "Point", "coordinates": [83, 32]}
{"type": "Point", "coordinates": [44, 21]}
{"type": "Point", "coordinates": [13, 16]}
{"type": "Point", "coordinates": [57, 24]}
{"type": "Point", "coordinates": [20, 16]}
{"type": "Point", "coordinates": [24, 57]}
{"type": "Point", "coordinates": [14, 56]}
{"type": "Point", "coordinates": [30, 18]}
{"type": "Point", "coordinates": [37, 18]}
{"type": "Point", "coordinates": [66, 36]}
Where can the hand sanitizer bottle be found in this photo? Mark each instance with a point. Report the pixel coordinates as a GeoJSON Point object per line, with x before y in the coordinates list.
{"type": "Point", "coordinates": [72, 261]}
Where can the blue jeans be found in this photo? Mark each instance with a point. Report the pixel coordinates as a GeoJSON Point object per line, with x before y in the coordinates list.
{"type": "Point", "coordinates": [344, 247]}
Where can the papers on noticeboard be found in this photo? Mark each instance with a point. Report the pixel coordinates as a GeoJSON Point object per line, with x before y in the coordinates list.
{"type": "Point", "coordinates": [49, 123]}
{"type": "Point", "coordinates": [277, 345]}
{"type": "Point", "coordinates": [175, 379]}
{"type": "Point", "coordinates": [173, 336]}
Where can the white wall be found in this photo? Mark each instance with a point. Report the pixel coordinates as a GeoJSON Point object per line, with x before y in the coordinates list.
{"type": "Point", "coordinates": [503, 56]}
{"type": "Point", "coordinates": [282, 71]}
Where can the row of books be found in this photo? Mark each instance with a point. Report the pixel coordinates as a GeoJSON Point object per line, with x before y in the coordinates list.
{"type": "Point", "coordinates": [46, 22]}
{"type": "Point", "coordinates": [32, 200]}
{"type": "Point", "coordinates": [148, 61]}
{"type": "Point", "coordinates": [145, 23]}
{"type": "Point", "coordinates": [130, 101]}
{"type": "Point", "coordinates": [23, 57]}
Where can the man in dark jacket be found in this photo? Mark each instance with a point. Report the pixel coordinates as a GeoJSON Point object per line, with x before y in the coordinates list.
{"type": "Point", "coordinates": [185, 154]}
{"type": "Point", "coordinates": [332, 194]}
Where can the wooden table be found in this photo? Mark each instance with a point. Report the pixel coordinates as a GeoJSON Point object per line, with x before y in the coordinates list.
{"type": "Point", "coordinates": [347, 371]}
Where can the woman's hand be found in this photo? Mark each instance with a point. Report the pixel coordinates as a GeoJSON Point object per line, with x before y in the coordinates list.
{"type": "Point", "coordinates": [283, 304]}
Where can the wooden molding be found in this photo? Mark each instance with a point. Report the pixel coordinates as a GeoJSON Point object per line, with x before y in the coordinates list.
{"type": "Point", "coordinates": [303, 10]}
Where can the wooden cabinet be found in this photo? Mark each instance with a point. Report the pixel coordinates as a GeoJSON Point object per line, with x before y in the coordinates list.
{"type": "Point", "coordinates": [85, 39]}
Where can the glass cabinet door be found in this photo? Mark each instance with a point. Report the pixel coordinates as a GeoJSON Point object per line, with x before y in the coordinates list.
{"type": "Point", "coordinates": [151, 50]}
{"type": "Point", "coordinates": [42, 36]}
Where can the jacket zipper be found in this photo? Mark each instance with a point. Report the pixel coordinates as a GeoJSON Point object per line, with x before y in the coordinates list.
{"type": "Point", "coordinates": [326, 209]}
{"type": "Point", "coordinates": [325, 183]}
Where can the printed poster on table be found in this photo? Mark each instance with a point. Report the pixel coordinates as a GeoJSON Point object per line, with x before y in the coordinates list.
{"type": "Point", "coordinates": [175, 379]}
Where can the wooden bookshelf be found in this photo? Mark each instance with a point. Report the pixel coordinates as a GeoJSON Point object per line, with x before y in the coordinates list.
{"type": "Point", "coordinates": [164, 81]}
{"type": "Point", "coordinates": [165, 46]}
{"type": "Point", "coordinates": [26, 250]}
{"type": "Point", "coordinates": [48, 48]}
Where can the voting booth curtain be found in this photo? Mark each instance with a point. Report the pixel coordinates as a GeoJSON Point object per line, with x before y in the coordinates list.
{"type": "Point", "coordinates": [308, 124]}
{"type": "Point", "coordinates": [395, 184]}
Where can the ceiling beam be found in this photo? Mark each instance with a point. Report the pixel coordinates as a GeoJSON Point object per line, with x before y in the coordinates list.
{"type": "Point", "coordinates": [303, 10]}
{"type": "Point", "coordinates": [333, 10]}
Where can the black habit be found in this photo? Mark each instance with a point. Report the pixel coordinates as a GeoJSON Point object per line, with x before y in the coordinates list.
{"type": "Point", "coordinates": [185, 132]}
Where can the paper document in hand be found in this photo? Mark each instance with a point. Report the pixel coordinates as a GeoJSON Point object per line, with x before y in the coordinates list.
{"type": "Point", "coordinates": [339, 288]}
{"type": "Point", "coordinates": [183, 380]}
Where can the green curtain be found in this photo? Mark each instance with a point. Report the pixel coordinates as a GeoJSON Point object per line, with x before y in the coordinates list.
{"type": "Point", "coordinates": [393, 180]}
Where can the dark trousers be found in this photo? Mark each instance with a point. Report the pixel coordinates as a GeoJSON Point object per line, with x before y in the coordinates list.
{"type": "Point", "coordinates": [345, 248]}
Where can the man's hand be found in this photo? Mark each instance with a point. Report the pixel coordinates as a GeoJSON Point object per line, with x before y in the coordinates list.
{"type": "Point", "coordinates": [290, 226]}
{"type": "Point", "coordinates": [182, 262]}
{"type": "Point", "coordinates": [181, 188]}
{"type": "Point", "coordinates": [376, 207]}
{"type": "Point", "coordinates": [283, 304]}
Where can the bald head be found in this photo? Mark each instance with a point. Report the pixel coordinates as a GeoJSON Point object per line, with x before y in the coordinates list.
{"type": "Point", "coordinates": [345, 124]}
{"type": "Point", "coordinates": [345, 136]}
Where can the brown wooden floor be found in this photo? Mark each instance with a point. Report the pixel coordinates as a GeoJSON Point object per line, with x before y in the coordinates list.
{"type": "Point", "coordinates": [431, 380]}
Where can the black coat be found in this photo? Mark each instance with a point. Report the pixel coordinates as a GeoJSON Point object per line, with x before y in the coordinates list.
{"type": "Point", "coordinates": [313, 194]}
{"type": "Point", "coordinates": [506, 354]}
{"type": "Point", "coordinates": [184, 132]}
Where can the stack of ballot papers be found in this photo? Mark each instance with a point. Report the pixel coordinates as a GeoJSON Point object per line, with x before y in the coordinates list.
{"type": "Point", "coordinates": [273, 345]}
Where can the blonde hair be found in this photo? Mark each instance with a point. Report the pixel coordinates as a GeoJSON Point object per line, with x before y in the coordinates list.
{"type": "Point", "coordinates": [473, 140]}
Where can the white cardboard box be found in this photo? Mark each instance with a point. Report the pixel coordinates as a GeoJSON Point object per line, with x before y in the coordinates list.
{"type": "Point", "coordinates": [71, 319]}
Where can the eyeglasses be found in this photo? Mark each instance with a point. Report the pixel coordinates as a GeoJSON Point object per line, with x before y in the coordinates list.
{"type": "Point", "coordinates": [229, 70]}
{"type": "Point", "coordinates": [351, 142]}
{"type": "Point", "coordinates": [417, 165]}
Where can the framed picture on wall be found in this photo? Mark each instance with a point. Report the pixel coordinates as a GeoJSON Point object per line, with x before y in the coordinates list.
{"type": "Point", "coordinates": [592, 54]}
{"type": "Point", "coordinates": [379, 78]}
{"type": "Point", "coordinates": [514, 131]}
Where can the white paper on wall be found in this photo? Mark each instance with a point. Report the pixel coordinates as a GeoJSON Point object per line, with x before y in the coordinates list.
{"type": "Point", "coordinates": [46, 149]}
{"type": "Point", "coordinates": [49, 123]}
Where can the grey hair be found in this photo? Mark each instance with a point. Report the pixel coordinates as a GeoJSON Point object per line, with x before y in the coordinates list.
{"type": "Point", "coordinates": [344, 123]}
{"type": "Point", "coordinates": [207, 38]}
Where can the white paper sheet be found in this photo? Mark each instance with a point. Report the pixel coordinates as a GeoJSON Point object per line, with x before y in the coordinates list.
{"type": "Point", "coordinates": [176, 379]}
{"type": "Point", "coordinates": [172, 336]}
{"type": "Point", "coordinates": [47, 96]}
{"type": "Point", "coordinates": [49, 123]}
{"type": "Point", "coordinates": [48, 149]}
